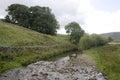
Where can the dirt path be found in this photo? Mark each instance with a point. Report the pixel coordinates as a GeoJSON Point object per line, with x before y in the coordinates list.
{"type": "Point", "coordinates": [87, 59]}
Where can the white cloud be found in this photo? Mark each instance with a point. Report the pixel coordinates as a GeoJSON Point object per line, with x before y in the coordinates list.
{"type": "Point", "coordinates": [98, 21]}
{"type": "Point", "coordinates": [62, 30]}
{"type": "Point", "coordinates": [81, 11]}
{"type": "Point", "coordinates": [101, 22]}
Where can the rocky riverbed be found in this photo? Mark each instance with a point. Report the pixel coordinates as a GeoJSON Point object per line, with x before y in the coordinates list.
{"type": "Point", "coordinates": [74, 67]}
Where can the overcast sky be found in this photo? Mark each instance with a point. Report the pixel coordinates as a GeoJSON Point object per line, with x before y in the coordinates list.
{"type": "Point", "coordinates": [94, 16]}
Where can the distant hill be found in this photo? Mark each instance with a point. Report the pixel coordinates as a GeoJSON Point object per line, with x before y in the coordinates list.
{"type": "Point", "coordinates": [114, 35]}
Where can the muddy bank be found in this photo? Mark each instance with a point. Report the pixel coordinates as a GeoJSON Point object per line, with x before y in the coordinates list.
{"type": "Point", "coordinates": [74, 67]}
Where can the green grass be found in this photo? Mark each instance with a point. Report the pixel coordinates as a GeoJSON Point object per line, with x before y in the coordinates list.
{"type": "Point", "coordinates": [12, 35]}
{"type": "Point", "coordinates": [14, 59]}
{"type": "Point", "coordinates": [108, 60]}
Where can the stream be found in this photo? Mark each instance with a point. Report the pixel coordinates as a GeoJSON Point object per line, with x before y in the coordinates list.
{"type": "Point", "coordinates": [73, 67]}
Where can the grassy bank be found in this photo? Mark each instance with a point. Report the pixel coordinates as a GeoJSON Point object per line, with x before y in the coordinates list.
{"type": "Point", "coordinates": [13, 35]}
{"type": "Point", "coordinates": [10, 60]}
{"type": "Point", "coordinates": [108, 60]}
{"type": "Point", "coordinates": [16, 36]}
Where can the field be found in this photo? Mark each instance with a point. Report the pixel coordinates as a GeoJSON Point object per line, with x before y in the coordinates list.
{"type": "Point", "coordinates": [107, 60]}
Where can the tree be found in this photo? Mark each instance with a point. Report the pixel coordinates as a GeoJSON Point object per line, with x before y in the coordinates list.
{"type": "Point", "coordinates": [17, 14]}
{"type": "Point", "coordinates": [43, 20]}
{"type": "Point", "coordinates": [36, 18]}
{"type": "Point", "coordinates": [74, 31]}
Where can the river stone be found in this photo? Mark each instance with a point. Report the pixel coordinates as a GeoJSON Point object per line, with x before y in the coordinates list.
{"type": "Point", "coordinates": [62, 69]}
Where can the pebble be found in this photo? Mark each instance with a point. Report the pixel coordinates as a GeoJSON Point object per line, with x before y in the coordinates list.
{"type": "Point", "coordinates": [58, 70]}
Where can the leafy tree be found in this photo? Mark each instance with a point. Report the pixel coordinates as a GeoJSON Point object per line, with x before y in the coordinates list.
{"type": "Point", "coordinates": [42, 20]}
{"type": "Point", "coordinates": [74, 31]}
{"type": "Point", "coordinates": [36, 18]}
{"type": "Point", "coordinates": [17, 14]}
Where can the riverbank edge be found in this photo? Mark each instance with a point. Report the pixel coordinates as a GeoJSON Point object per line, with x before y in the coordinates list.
{"type": "Point", "coordinates": [23, 57]}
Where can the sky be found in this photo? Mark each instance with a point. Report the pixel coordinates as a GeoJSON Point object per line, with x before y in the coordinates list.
{"type": "Point", "coordinates": [94, 16]}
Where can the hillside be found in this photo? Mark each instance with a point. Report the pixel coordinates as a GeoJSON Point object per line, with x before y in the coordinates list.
{"type": "Point", "coordinates": [20, 46]}
{"type": "Point", "coordinates": [12, 35]}
{"type": "Point", "coordinates": [114, 35]}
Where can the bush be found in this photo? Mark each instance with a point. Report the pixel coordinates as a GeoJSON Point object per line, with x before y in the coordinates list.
{"type": "Point", "coordinates": [94, 40]}
{"type": "Point", "coordinates": [85, 42]}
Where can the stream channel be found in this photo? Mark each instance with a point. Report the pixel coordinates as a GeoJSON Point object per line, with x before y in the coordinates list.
{"type": "Point", "coordinates": [75, 66]}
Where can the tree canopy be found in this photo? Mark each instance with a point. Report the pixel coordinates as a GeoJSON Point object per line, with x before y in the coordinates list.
{"type": "Point", "coordinates": [74, 31]}
{"type": "Point", "coordinates": [36, 18]}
